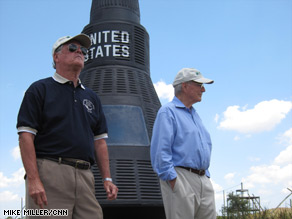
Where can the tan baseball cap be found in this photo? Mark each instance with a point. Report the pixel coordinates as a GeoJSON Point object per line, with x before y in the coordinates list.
{"type": "Point", "coordinates": [83, 39]}
{"type": "Point", "coordinates": [190, 74]}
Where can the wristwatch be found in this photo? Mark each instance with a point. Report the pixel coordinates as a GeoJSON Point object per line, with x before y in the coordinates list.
{"type": "Point", "coordinates": [107, 179]}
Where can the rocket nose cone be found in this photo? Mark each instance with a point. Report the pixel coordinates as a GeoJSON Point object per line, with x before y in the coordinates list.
{"type": "Point", "coordinates": [115, 10]}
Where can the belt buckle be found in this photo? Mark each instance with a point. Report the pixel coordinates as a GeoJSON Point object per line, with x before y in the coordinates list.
{"type": "Point", "coordinates": [201, 172]}
{"type": "Point", "coordinates": [77, 162]}
{"type": "Point", "coordinates": [82, 165]}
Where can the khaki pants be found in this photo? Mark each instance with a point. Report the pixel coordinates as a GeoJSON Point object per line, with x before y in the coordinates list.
{"type": "Point", "coordinates": [66, 188]}
{"type": "Point", "coordinates": [192, 197]}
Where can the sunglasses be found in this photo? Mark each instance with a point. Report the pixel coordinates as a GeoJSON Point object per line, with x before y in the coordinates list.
{"type": "Point", "coordinates": [73, 47]}
{"type": "Point", "coordinates": [201, 85]}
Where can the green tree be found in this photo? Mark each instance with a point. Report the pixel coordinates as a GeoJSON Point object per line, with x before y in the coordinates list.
{"type": "Point", "coordinates": [237, 207]}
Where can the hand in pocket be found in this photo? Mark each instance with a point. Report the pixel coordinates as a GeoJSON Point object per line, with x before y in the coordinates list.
{"type": "Point", "coordinates": [172, 183]}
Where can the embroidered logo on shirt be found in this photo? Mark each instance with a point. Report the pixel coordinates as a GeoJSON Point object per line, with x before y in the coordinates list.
{"type": "Point", "coordinates": [88, 105]}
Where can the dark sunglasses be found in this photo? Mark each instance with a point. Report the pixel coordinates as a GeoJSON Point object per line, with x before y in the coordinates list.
{"type": "Point", "coordinates": [73, 47]}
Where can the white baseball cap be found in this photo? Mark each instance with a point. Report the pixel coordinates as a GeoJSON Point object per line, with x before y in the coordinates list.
{"type": "Point", "coordinates": [83, 39]}
{"type": "Point", "coordinates": [190, 74]}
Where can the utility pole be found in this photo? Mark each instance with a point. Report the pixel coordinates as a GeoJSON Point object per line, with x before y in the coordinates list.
{"type": "Point", "coordinates": [224, 204]}
{"type": "Point", "coordinates": [283, 200]}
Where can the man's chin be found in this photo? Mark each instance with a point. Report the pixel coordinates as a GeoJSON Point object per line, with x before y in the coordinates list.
{"type": "Point", "coordinates": [78, 65]}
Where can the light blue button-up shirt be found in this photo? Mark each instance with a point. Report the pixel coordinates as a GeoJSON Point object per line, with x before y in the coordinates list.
{"type": "Point", "coordinates": [179, 139]}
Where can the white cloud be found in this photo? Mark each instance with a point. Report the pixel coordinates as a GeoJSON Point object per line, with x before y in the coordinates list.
{"type": "Point", "coordinates": [164, 91]}
{"type": "Point", "coordinates": [229, 178]}
{"type": "Point", "coordinates": [8, 196]}
{"type": "Point", "coordinates": [15, 180]}
{"type": "Point", "coordinates": [285, 157]}
{"type": "Point", "coordinates": [263, 117]}
{"type": "Point", "coordinates": [216, 186]}
{"type": "Point", "coordinates": [269, 181]}
{"type": "Point", "coordinates": [236, 138]}
{"type": "Point", "coordinates": [273, 178]}
{"type": "Point", "coordinates": [288, 134]}
{"type": "Point", "coordinates": [286, 137]}
{"type": "Point", "coordinates": [269, 174]}
{"type": "Point", "coordinates": [16, 153]}
{"type": "Point", "coordinates": [216, 119]}
{"type": "Point", "coordinates": [218, 191]}
{"type": "Point", "coordinates": [11, 189]}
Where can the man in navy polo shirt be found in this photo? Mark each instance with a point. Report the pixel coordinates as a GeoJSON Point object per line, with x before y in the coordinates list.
{"type": "Point", "coordinates": [62, 131]}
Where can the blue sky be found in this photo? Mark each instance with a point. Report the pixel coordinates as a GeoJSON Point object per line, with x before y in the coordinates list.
{"type": "Point", "coordinates": [244, 45]}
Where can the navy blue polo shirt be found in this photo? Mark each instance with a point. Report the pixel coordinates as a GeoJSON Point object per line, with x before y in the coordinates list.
{"type": "Point", "coordinates": [65, 120]}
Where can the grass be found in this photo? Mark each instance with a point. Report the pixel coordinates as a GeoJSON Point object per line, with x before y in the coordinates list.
{"type": "Point", "coordinates": [280, 213]}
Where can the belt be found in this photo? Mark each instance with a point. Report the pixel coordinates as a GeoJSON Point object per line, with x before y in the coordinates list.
{"type": "Point", "coordinates": [79, 164]}
{"type": "Point", "coordinates": [199, 172]}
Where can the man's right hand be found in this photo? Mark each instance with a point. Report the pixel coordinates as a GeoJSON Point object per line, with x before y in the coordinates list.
{"type": "Point", "coordinates": [172, 183]}
{"type": "Point", "coordinates": [37, 192]}
{"type": "Point", "coordinates": [35, 186]}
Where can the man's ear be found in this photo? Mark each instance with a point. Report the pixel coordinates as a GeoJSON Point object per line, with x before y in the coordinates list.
{"type": "Point", "coordinates": [56, 57]}
{"type": "Point", "coordinates": [184, 85]}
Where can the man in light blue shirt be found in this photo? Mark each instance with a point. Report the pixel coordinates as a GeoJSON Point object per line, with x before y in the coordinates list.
{"type": "Point", "coordinates": [181, 150]}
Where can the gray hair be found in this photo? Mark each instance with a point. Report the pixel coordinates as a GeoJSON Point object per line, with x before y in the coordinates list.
{"type": "Point", "coordinates": [177, 89]}
{"type": "Point", "coordinates": [56, 51]}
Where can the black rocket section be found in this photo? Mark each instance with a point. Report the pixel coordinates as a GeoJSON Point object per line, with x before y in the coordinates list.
{"type": "Point", "coordinates": [117, 69]}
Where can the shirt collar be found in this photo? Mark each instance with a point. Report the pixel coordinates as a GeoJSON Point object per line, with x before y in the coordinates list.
{"type": "Point", "coordinates": [63, 80]}
{"type": "Point", "coordinates": [179, 104]}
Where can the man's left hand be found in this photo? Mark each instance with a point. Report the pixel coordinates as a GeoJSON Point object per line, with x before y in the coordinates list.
{"type": "Point", "coordinates": [111, 190]}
